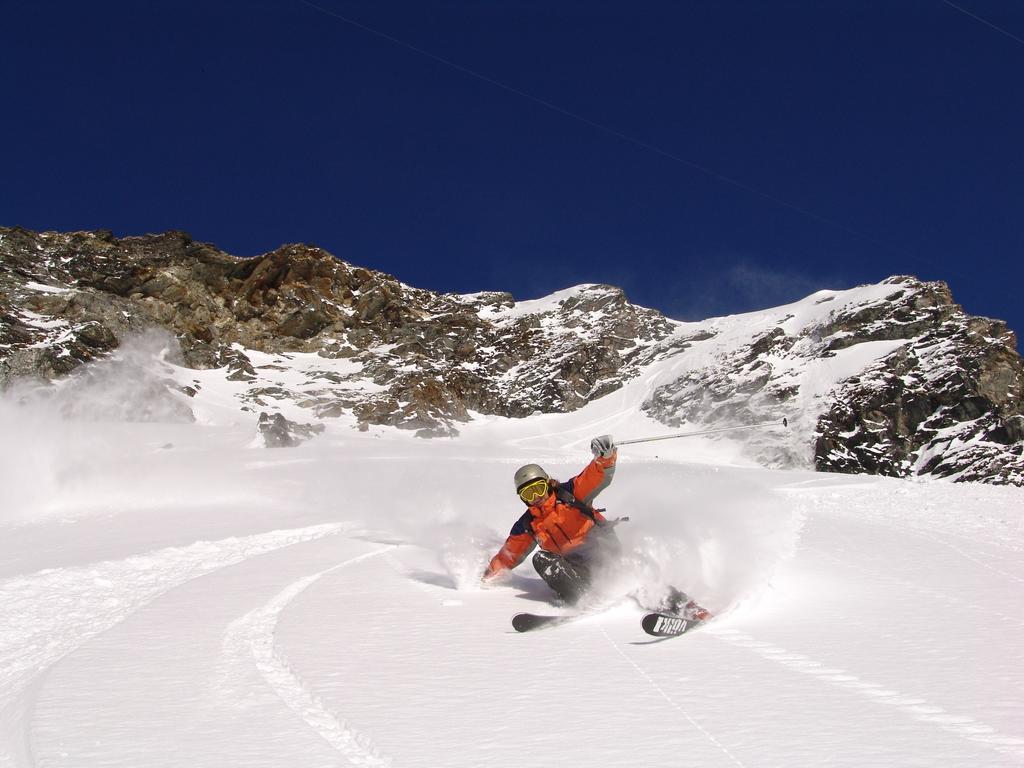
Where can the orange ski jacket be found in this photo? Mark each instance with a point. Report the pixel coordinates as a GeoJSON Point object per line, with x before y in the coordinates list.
{"type": "Point", "coordinates": [552, 524]}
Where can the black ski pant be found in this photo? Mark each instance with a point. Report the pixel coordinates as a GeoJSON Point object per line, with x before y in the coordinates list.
{"type": "Point", "coordinates": [571, 575]}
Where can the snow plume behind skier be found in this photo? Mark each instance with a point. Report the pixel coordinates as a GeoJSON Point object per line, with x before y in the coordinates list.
{"type": "Point", "coordinates": [720, 537]}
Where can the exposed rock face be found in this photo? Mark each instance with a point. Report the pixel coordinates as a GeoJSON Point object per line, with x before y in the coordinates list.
{"type": "Point", "coordinates": [431, 358]}
{"type": "Point", "coordinates": [279, 432]}
{"type": "Point", "coordinates": [893, 378]}
{"type": "Point", "coordinates": [947, 403]}
{"type": "Point", "coordinates": [942, 396]}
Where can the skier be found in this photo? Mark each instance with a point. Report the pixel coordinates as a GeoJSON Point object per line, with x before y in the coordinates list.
{"type": "Point", "coordinates": [576, 541]}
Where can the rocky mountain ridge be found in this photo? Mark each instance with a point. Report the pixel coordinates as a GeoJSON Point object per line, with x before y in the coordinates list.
{"type": "Point", "coordinates": [429, 358]}
{"type": "Point", "coordinates": [893, 379]}
{"type": "Point", "coordinates": [899, 381]}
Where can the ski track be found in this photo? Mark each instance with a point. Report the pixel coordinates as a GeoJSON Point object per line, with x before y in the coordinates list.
{"type": "Point", "coordinates": [966, 555]}
{"type": "Point", "coordinates": [909, 587]}
{"type": "Point", "coordinates": [672, 702]}
{"type": "Point", "coordinates": [923, 509]}
{"type": "Point", "coordinates": [49, 614]}
{"type": "Point", "coordinates": [252, 637]}
{"type": "Point", "coordinates": [913, 706]}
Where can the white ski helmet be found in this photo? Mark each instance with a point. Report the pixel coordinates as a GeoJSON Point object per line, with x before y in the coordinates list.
{"type": "Point", "coordinates": [528, 474]}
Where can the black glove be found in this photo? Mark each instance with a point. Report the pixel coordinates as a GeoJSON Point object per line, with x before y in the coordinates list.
{"type": "Point", "coordinates": [603, 446]}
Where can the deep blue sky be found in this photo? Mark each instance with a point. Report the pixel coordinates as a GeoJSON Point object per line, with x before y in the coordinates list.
{"type": "Point", "coordinates": [896, 127]}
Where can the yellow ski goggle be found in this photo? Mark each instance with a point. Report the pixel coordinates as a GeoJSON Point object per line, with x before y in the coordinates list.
{"type": "Point", "coordinates": [534, 492]}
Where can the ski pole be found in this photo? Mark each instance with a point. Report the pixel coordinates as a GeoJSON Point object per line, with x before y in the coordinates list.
{"type": "Point", "coordinates": [785, 423]}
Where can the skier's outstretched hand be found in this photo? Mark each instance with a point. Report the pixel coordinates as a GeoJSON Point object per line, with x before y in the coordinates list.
{"type": "Point", "coordinates": [603, 446]}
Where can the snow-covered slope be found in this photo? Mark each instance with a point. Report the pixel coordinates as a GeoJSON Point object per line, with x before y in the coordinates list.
{"type": "Point", "coordinates": [176, 594]}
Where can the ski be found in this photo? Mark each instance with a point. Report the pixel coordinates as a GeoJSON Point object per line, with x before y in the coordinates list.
{"type": "Point", "coordinates": [668, 624]}
{"type": "Point", "coordinates": [527, 622]}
